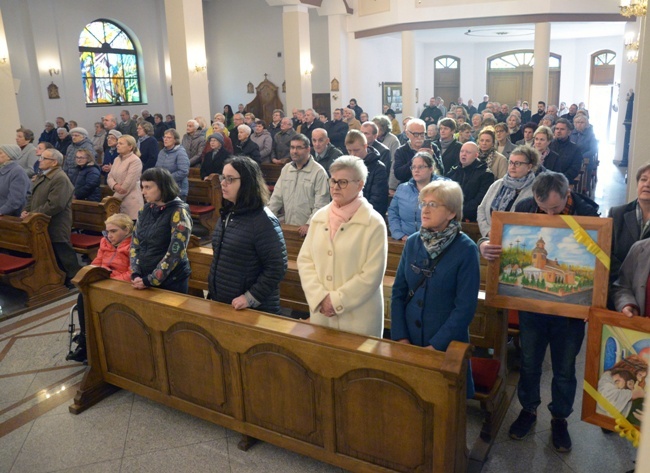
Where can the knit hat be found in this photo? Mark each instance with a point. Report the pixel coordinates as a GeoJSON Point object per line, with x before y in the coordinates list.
{"type": "Point", "coordinates": [115, 133]}
{"type": "Point", "coordinates": [216, 136]}
{"type": "Point", "coordinates": [81, 131]}
{"type": "Point", "coordinates": [13, 151]}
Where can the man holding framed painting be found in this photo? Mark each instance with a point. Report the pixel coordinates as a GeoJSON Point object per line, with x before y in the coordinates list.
{"type": "Point", "coordinates": [540, 273]}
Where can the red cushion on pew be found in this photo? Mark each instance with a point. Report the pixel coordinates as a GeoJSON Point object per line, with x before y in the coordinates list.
{"type": "Point", "coordinates": [81, 240]}
{"type": "Point", "coordinates": [201, 209]}
{"type": "Point", "coordinates": [9, 264]}
{"type": "Point", "coordinates": [513, 318]}
{"type": "Point", "coordinates": [485, 372]}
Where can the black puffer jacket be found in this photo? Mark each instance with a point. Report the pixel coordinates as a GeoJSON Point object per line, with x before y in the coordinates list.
{"type": "Point", "coordinates": [376, 188]}
{"type": "Point", "coordinates": [475, 180]}
{"type": "Point", "coordinates": [582, 206]}
{"type": "Point", "coordinates": [249, 256]}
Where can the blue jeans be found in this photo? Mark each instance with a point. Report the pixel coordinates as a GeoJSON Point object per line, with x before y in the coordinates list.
{"type": "Point", "coordinates": [565, 337]}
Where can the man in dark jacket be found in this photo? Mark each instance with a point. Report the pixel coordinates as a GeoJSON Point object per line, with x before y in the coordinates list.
{"type": "Point", "coordinates": [371, 130]}
{"type": "Point", "coordinates": [337, 129]}
{"type": "Point", "coordinates": [570, 157]}
{"type": "Point", "coordinates": [246, 146]}
{"type": "Point", "coordinates": [431, 114]}
{"type": "Point", "coordinates": [127, 126]}
{"type": "Point", "coordinates": [474, 179]}
{"type": "Point", "coordinates": [309, 123]}
{"type": "Point", "coordinates": [552, 196]}
{"type": "Point", "coordinates": [449, 146]}
{"type": "Point", "coordinates": [375, 189]}
{"type": "Point", "coordinates": [541, 112]}
{"type": "Point", "coordinates": [404, 155]}
{"type": "Point", "coordinates": [355, 106]}
{"type": "Point", "coordinates": [325, 153]}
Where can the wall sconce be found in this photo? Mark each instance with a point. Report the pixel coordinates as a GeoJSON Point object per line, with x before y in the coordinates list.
{"type": "Point", "coordinates": [53, 72]}
{"type": "Point", "coordinates": [308, 69]}
{"type": "Point", "coordinates": [632, 47]}
{"type": "Point", "coordinates": [634, 7]}
{"type": "Point", "coordinates": [200, 68]}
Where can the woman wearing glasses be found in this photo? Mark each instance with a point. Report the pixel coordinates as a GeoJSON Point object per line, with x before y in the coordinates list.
{"type": "Point", "coordinates": [250, 256]}
{"type": "Point", "coordinates": [173, 157]}
{"type": "Point", "coordinates": [514, 187]}
{"type": "Point", "coordinates": [436, 286]}
{"type": "Point", "coordinates": [159, 244]}
{"type": "Point", "coordinates": [343, 259]}
{"type": "Point", "coordinates": [403, 213]}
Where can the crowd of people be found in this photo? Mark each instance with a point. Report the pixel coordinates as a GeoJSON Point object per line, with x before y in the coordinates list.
{"type": "Point", "coordinates": [348, 183]}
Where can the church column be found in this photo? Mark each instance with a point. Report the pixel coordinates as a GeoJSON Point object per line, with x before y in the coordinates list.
{"type": "Point", "coordinates": [408, 74]}
{"type": "Point", "coordinates": [297, 56]}
{"type": "Point", "coordinates": [186, 40]}
{"type": "Point", "coordinates": [338, 42]}
{"type": "Point", "coordinates": [640, 140]}
{"type": "Point", "coordinates": [540, 69]}
{"type": "Point", "coordinates": [9, 118]}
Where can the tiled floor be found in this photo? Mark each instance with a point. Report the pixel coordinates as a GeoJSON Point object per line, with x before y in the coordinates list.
{"type": "Point", "coordinates": [127, 433]}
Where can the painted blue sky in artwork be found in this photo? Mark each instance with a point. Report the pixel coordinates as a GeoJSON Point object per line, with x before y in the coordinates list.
{"type": "Point", "coordinates": [560, 243]}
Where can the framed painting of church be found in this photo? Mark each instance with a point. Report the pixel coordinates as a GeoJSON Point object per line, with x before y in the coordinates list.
{"type": "Point", "coordinates": [552, 264]}
{"type": "Point", "coordinates": [616, 369]}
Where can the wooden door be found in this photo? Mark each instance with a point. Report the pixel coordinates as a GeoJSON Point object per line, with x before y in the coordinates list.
{"type": "Point", "coordinates": [322, 104]}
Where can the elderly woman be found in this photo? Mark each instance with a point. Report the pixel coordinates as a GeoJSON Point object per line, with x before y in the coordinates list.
{"type": "Point", "coordinates": [214, 160]}
{"type": "Point", "coordinates": [14, 182]}
{"type": "Point", "coordinates": [124, 177]}
{"type": "Point", "coordinates": [246, 146]}
{"type": "Point", "coordinates": [548, 120]}
{"type": "Point", "coordinates": [542, 139]}
{"type": "Point", "coordinates": [436, 286]}
{"type": "Point", "coordinates": [98, 140]}
{"type": "Point", "coordinates": [80, 140]}
{"type": "Point", "coordinates": [495, 161]}
{"type": "Point", "coordinates": [403, 213]}
{"type": "Point", "coordinates": [477, 120]}
{"type": "Point", "coordinates": [173, 157]}
{"type": "Point", "coordinates": [514, 127]}
{"type": "Point", "coordinates": [147, 144]}
{"type": "Point", "coordinates": [49, 134]}
{"type": "Point", "coordinates": [583, 136]}
{"type": "Point", "coordinates": [86, 177]}
{"type": "Point", "coordinates": [193, 142]}
{"type": "Point", "coordinates": [250, 256]}
{"type": "Point", "coordinates": [503, 144]}
{"type": "Point", "coordinates": [111, 151]}
{"type": "Point", "coordinates": [343, 258]}
{"type": "Point", "coordinates": [159, 246]}
{"type": "Point", "coordinates": [262, 138]}
{"type": "Point", "coordinates": [27, 158]}
{"type": "Point", "coordinates": [113, 255]}
{"type": "Point", "coordinates": [516, 185]}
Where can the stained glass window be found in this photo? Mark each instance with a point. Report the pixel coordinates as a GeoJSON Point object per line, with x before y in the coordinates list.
{"type": "Point", "coordinates": [109, 65]}
{"type": "Point", "coordinates": [520, 59]}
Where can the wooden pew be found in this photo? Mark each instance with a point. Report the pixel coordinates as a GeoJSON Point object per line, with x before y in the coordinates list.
{"type": "Point", "coordinates": [271, 173]}
{"type": "Point", "coordinates": [36, 271]}
{"type": "Point", "coordinates": [90, 216]}
{"type": "Point", "coordinates": [359, 403]}
{"type": "Point", "coordinates": [204, 198]}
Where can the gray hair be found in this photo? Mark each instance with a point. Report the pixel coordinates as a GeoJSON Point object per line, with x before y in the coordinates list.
{"type": "Point", "coordinates": [55, 154]}
{"type": "Point", "coordinates": [383, 123]}
{"type": "Point", "coordinates": [352, 163]}
{"type": "Point", "coordinates": [147, 127]}
{"type": "Point", "coordinates": [59, 130]}
{"type": "Point", "coordinates": [194, 122]}
{"type": "Point", "coordinates": [449, 193]}
{"type": "Point", "coordinates": [548, 182]}
{"type": "Point", "coordinates": [245, 128]}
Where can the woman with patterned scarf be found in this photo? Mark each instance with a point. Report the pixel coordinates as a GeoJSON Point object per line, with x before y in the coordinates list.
{"type": "Point", "coordinates": [504, 194]}
{"type": "Point", "coordinates": [495, 161]}
{"type": "Point", "coordinates": [436, 287]}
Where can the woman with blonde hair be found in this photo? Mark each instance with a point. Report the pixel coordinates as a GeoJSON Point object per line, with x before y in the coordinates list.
{"type": "Point", "coordinates": [86, 176]}
{"type": "Point", "coordinates": [343, 259]}
{"type": "Point", "coordinates": [495, 161]}
{"type": "Point", "coordinates": [124, 177]}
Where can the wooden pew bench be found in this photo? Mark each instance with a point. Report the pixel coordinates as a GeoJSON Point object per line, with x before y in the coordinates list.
{"type": "Point", "coordinates": [337, 397]}
{"type": "Point", "coordinates": [204, 198]}
{"type": "Point", "coordinates": [91, 217]}
{"type": "Point", "coordinates": [271, 173]}
{"type": "Point", "coordinates": [35, 271]}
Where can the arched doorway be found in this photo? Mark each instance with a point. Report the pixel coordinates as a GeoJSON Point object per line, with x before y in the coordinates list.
{"type": "Point", "coordinates": [602, 93]}
{"type": "Point", "coordinates": [510, 77]}
{"type": "Point", "coordinates": [446, 78]}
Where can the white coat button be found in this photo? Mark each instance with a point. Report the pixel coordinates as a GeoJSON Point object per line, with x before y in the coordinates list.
{"type": "Point", "coordinates": [339, 308]}
{"type": "Point", "coordinates": [329, 278]}
{"type": "Point", "coordinates": [329, 253]}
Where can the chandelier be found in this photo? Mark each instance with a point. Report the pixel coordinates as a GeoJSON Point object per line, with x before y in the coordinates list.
{"type": "Point", "coordinates": [631, 8]}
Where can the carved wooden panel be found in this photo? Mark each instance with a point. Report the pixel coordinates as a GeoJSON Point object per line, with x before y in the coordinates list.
{"type": "Point", "coordinates": [198, 367]}
{"type": "Point", "coordinates": [368, 429]}
{"type": "Point", "coordinates": [128, 345]}
{"type": "Point", "coordinates": [281, 394]}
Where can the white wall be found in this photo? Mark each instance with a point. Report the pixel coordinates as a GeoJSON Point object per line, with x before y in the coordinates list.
{"type": "Point", "coordinates": [43, 34]}
{"type": "Point", "coordinates": [318, 33]}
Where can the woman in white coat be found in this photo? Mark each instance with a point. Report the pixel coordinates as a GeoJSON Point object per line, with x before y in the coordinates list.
{"type": "Point", "coordinates": [343, 259]}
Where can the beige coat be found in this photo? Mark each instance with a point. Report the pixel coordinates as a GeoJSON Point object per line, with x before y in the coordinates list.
{"type": "Point", "coordinates": [127, 172]}
{"type": "Point", "coordinates": [350, 269]}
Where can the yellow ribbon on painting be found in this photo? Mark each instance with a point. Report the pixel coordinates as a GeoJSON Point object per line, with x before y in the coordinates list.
{"type": "Point", "coordinates": [581, 236]}
{"type": "Point", "coordinates": [623, 426]}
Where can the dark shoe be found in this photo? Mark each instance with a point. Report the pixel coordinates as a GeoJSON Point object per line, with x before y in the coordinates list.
{"type": "Point", "coordinates": [561, 438]}
{"type": "Point", "coordinates": [79, 354]}
{"type": "Point", "coordinates": [521, 427]}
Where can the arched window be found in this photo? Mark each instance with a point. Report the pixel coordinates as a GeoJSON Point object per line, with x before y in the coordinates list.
{"type": "Point", "coordinates": [603, 64]}
{"type": "Point", "coordinates": [446, 62]}
{"type": "Point", "coordinates": [109, 65]}
{"type": "Point", "coordinates": [520, 59]}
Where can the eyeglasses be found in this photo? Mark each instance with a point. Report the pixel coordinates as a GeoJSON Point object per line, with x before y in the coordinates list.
{"type": "Point", "coordinates": [293, 148]}
{"type": "Point", "coordinates": [43, 158]}
{"type": "Point", "coordinates": [417, 135]}
{"type": "Point", "coordinates": [431, 205]}
{"type": "Point", "coordinates": [517, 163]}
{"type": "Point", "coordinates": [228, 179]}
{"type": "Point", "coordinates": [419, 168]}
{"type": "Point", "coordinates": [342, 183]}
{"type": "Point", "coordinates": [426, 272]}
